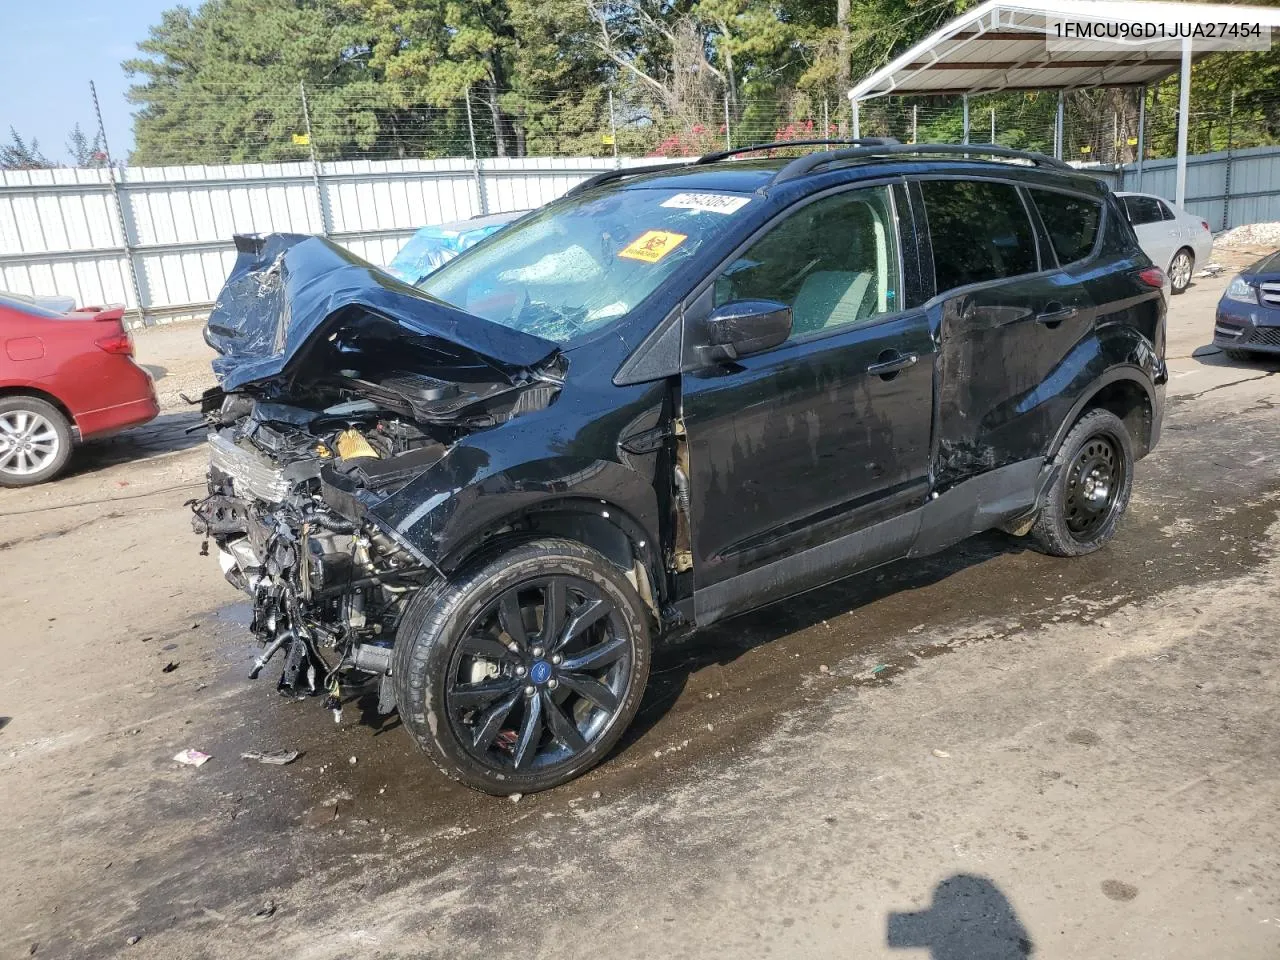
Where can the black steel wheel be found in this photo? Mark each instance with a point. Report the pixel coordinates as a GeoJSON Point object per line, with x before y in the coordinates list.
{"type": "Point", "coordinates": [1091, 487]}
{"type": "Point", "coordinates": [523, 673]}
{"type": "Point", "coordinates": [1094, 481]}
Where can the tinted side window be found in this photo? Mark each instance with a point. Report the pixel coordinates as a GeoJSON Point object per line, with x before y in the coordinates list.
{"type": "Point", "coordinates": [1165, 212]}
{"type": "Point", "coordinates": [1072, 223]}
{"type": "Point", "coordinates": [1142, 210]}
{"type": "Point", "coordinates": [833, 261]}
{"type": "Point", "coordinates": [980, 232]}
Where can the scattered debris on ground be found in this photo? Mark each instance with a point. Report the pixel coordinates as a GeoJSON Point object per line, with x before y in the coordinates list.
{"type": "Point", "coordinates": [1250, 234]}
{"type": "Point", "coordinates": [279, 758]}
{"type": "Point", "coordinates": [268, 909]}
{"type": "Point", "coordinates": [191, 758]}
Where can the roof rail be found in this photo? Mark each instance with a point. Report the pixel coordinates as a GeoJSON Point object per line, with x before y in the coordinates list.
{"type": "Point", "coordinates": [611, 175]}
{"type": "Point", "coordinates": [780, 144]}
{"type": "Point", "coordinates": [618, 174]}
{"type": "Point", "coordinates": [801, 166]}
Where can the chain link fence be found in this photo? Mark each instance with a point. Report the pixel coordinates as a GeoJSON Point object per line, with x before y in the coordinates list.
{"type": "Point", "coordinates": [367, 167]}
{"type": "Point", "coordinates": [315, 123]}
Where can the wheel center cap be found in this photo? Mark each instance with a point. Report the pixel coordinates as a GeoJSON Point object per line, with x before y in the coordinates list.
{"type": "Point", "coordinates": [540, 671]}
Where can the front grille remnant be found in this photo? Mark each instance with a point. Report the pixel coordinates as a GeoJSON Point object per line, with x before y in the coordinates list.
{"type": "Point", "coordinates": [251, 474]}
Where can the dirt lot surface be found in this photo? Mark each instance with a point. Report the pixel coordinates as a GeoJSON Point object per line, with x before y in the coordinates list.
{"type": "Point", "coordinates": [988, 754]}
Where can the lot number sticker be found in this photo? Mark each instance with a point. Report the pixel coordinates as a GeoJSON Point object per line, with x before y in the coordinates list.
{"type": "Point", "coordinates": [652, 245]}
{"type": "Point", "coordinates": [708, 202]}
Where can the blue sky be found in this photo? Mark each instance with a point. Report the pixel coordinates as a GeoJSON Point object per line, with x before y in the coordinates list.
{"type": "Point", "coordinates": [52, 49]}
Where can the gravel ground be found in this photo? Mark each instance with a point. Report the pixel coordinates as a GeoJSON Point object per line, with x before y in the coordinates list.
{"type": "Point", "coordinates": [1249, 235]}
{"type": "Point", "coordinates": [986, 754]}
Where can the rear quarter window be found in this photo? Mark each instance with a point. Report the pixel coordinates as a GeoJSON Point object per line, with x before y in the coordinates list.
{"type": "Point", "coordinates": [1142, 210]}
{"type": "Point", "coordinates": [979, 232]}
{"type": "Point", "coordinates": [1072, 223]}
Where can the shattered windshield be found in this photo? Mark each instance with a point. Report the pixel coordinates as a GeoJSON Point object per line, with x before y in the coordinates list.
{"type": "Point", "coordinates": [581, 263]}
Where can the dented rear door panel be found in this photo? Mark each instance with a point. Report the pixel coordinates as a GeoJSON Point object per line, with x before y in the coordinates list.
{"type": "Point", "coordinates": [1001, 370]}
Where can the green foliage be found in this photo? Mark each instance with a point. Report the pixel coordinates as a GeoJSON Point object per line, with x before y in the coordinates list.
{"type": "Point", "coordinates": [394, 78]}
{"type": "Point", "coordinates": [85, 151]}
{"type": "Point", "coordinates": [18, 154]}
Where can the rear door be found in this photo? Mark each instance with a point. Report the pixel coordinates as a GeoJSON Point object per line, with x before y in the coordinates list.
{"type": "Point", "coordinates": [1008, 316]}
{"type": "Point", "coordinates": [796, 451]}
{"type": "Point", "coordinates": [1156, 235]}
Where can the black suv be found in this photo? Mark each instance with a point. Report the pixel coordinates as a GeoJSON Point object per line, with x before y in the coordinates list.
{"type": "Point", "coordinates": [671, 396]}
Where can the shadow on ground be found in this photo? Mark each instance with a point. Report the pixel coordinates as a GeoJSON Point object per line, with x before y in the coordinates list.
{"type": "Point", "coordinates": [167, 433]}
{"type": "Point", "coordinates": [1212, 355]}
{"type": "Point", "coordinates": [969, 919]}
{"type": "Point", "coordinates": [720, 645]}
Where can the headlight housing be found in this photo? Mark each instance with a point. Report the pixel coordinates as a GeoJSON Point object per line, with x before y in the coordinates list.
{"type": "Point", "coordinates": [1240, 289]}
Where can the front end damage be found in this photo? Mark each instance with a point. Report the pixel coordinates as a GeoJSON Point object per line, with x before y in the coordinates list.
{"type": "Point", "coordinates": [339, 387]}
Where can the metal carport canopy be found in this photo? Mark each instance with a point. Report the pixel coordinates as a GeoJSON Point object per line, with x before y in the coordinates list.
{"type": "Point", "coordinates": [1003, 46]}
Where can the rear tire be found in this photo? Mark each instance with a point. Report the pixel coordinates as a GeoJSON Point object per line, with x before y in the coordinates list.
{"type": "Point", "coordinates": [35, 441]}
{"type": "Point", "coordinates": [1180, 269]}
{"type": "Point", "coordinates": [506, 700]}
{"type": "Point", "coordinates": [1087, 498]}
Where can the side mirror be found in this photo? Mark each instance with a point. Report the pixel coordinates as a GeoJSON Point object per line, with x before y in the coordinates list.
{"type": "Point", "coordinates": [744, 327]}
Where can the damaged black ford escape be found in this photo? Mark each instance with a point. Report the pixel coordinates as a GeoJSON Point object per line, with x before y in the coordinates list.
{"type": "Point", "coordinates": [671, 396]}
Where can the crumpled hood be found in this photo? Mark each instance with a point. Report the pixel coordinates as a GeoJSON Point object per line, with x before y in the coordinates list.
{"type": "Point", "coordinates": [286, 288]}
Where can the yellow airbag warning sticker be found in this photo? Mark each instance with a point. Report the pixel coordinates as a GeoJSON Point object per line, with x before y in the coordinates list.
{"type": "Point", "coordinates": [652, 245]}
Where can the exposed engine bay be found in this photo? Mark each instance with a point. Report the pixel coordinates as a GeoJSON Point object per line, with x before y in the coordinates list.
{"type": "Point", "coordinates": [297, 458]}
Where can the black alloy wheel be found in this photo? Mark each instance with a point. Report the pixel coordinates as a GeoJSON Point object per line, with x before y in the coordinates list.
{"type": "Point", "coordinates": [539, 674]}
{"type": "Point", "coordinates": [522, 671]}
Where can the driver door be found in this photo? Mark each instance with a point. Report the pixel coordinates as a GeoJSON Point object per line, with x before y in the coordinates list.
{"type": "Point", "coordinates": [809, 461]}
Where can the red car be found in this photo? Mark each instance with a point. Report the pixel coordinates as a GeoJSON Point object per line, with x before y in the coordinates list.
{"type": "Point", "coordinates": [65, 376]}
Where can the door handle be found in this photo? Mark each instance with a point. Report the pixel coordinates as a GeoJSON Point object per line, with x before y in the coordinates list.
{"type": "Point", "coordinates": [888, 367]}
{"type": "Point", "coordinates": [1055, 313]}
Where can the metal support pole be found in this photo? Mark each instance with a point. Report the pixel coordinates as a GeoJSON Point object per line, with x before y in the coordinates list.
{"type": "Point", "coordinates": [915, 123]}
{"type": "Point", "coordinates": [116, 192]}
{"type": "Point", "coordinates": [993, 125]}
{"type": "Point", "coordinates": [826, 118]}
{"type": "Point", "coordinates": [1142, 134]}
{"type": "Point", "coordinates": [1226, 177]}
{"type": "Point", "coordinates": [1184, 117]}
{"type": "Point", "coordinates": [965, 98]}
{"type": "Point", "coordinates": [728, 140]}
{"type": "Point", "coordinates": [1115, 136]}
{"type": "Point", "coordinates": [613, 131]}
{"type": "Point", "coordinates": [857, 120]}
{"type": "Point", "coordinates": [322, 202]}
{"type": "Point", "coordinates": [1058, 145]}
{"type": "Point", "coordinates": [475, 159]}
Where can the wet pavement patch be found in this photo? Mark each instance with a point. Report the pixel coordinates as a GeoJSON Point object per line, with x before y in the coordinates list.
{"type": "Point", "coordinates": [1119, 890]}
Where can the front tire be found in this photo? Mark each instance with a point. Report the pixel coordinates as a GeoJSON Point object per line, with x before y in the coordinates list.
{"type": "Point", "coordinates": [1180, 269]}
{"type": "Point", "coordinates": [521, 672]}
{"type": "Point", "coordinates": [35, 441]}
{"type": "Point", "coordinates": [1087, 498]}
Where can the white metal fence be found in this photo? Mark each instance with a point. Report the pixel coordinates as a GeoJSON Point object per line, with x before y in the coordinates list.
{"type": "Point", "coordinates": [158, 239]}
{"type": "Point", "coordinates": [1227, 189]}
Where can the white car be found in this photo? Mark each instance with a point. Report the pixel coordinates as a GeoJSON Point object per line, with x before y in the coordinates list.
{"type": "Point", "coordinates": [1174, 240]}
